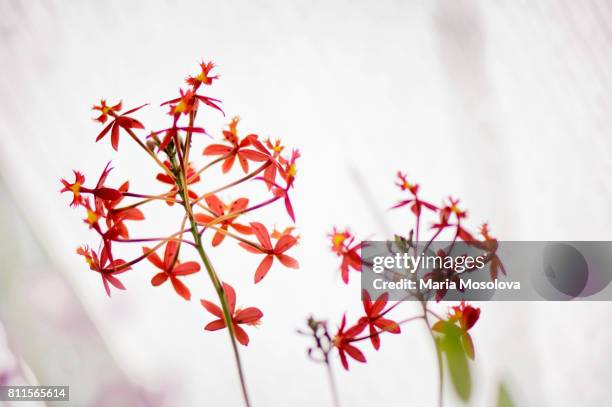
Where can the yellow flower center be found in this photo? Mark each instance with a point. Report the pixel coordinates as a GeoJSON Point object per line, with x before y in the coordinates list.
{"type": "Point", "coordinates": [292, 170]}
{"type": "Point", "coordinates": [76, 189]}
{"type": "Point", "coordinates": [92, 217]}
{"type": "Point", "coordinates": [180, 107]}
{"type": "Point", "coordinates": [336, 340]}
{"type": "Point", "coordinates": [89, 261]}
{"type": "Point", "coordinates": [338, 239]}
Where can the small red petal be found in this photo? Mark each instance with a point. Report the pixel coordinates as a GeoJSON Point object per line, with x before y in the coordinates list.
{"type": "Point", "coordinates": [153, 258]}
{"type": "Point", "coordinates": [230, 294]}
{"type": "Point", "coordinates": [263, 268]}
{"type": "Point", "coordinates": [241, 335]}
{"type": "Point", "coordinates": [159, 278]}
{"type": "Point", "coordinates": [215, 325]}
{"type": "Point", "coordinates": [219, 236]}
{"type": "Point", "coordinates": [212, 308]}
{"type": "Point", "coordinates": [180, 288]}
{"type": "Point", "coordinates": [185, 269]}
{"type": "Point", "coordinates": [288, 261]}
{"type": "Point", "coordinates": [285, 243]}
{"type": "Point", "coordinates": [202, 219]}
{"type": "Point", "coordinates": [248, 315]}
{"type": "Point", "coordinates": [228, 163]}
{"type": "Point", "coordinates": [355, 353]}
{"type": "Point", "coordinates": [115, 136]}
{"type": "Point", "coordinates": [250, 248]}
{"type": "Point", "coordinates": [262, 235]}
{"type": "Point", "coordinates": [217, 149]}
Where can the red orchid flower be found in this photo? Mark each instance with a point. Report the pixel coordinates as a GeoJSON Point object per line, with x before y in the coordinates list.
{"type": "Point", "coordinates": [465, 316]}
{"type": "Point", "coordinates": [172, 268]}
{"type": "Point", "coordinates": [188, 102]}
{"type": "Point", "coordinates": [374, 317]}
{"type": "Point", "coordinates": [342, 245]}
{"type": "Point", "coordinates": [99, 192]}
{"type": "Point", "coordinates": [249, 316]}
{"type": "Point", "coordinates": [101, 200]}
{"type": "Point", "coordinates": [106, 110]}
{"type": "Point", "coordinates": [119, 121]}
{"type": "Point", "coordinates": [75, 188]}
{"type": "Point", "coordinates": [445, 214]}
{"type": "Point", "coordinates": [283, 244]}
{"type": "Point", "coordinates": [277, 161]}
{"type": "Point", "coordinates": [116, 217]}
{"type": "Point", "coordinates": [171, 132]}
{"type": "Point", "coordinates": [404, 185]}
{"type": "Point", "coordinates": [276, 147]}
{"type": "Point", "coordinates": [101, 265]}
{"type": "Point", "coordinates": [416, 204]}
{"type": "Point", "coordinates": [93, 216]}
{"type": "Point", "coordinates": [203, 77]}
{"type": "Point", "coordinates": [342, 341]}
{"type": "Point", "coordinates": [453, 208]}
{"type": "Point", "coordinates": [239, 148]}
{"type": "Point", "coordinates": [192, 178]}
{"type": "Point", "coordinates": [219, 209]}
{"type": "Point", "coordinates": [490, 244]}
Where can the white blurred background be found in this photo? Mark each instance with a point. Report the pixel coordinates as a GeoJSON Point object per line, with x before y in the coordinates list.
{"type": "Point", "coordinates": [504, 104]}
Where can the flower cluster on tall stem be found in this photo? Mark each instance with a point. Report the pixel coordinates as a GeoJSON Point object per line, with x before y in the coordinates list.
{"type": "Point", "coordinates": [110, 210]}
{"type": "Point", "coordinates": [446, 220]}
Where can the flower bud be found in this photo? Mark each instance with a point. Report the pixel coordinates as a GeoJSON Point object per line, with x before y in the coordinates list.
{"type": "Point", "coordinates": [151, 145]}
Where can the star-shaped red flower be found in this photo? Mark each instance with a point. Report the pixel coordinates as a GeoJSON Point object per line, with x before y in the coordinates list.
{"type": "Point", "coordinates": [284, 243]}
{"type": "Point", "coordinates": [172, 269]}
{"type": "Point", "coordinates": [247, 316]}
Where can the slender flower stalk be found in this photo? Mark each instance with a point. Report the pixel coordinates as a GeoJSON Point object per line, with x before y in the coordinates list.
{"type": "Point", "coordinates": [332, 383]}
{"type": "Point", "coordinates": [170, 149]}
{"type": "Point", "coordinates": [215, 280]}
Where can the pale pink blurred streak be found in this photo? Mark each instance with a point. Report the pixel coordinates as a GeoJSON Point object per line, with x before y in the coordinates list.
{"type": "Point", "coordinates": [48, 338]}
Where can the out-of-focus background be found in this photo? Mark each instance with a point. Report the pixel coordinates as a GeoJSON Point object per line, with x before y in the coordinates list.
{"type": "Point", "coordinates": [503, 104]}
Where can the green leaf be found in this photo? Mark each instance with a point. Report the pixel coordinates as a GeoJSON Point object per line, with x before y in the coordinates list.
{"type": "Point", "coordinates": [468, 345]}
{"type": "Point", "coordinates": [503, 397]}
{"type": "Point", "coordinates": [458, 368]}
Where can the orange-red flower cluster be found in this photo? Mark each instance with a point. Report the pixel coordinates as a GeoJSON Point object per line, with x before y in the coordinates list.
{"type": "Point", "coordinates": [373, 319]}
{"type": "Point", "coordinates": [109, 209]}
{"type": "Point", "coordinates": [447, 220]}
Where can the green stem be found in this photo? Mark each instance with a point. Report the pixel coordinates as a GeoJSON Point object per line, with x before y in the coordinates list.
{"type": "Point", "coordinates": [214, 278]}
{"type": "Point", "coordinates": [224, 306]}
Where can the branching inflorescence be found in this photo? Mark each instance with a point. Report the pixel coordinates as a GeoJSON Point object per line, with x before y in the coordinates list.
{"type": "Point", "coordinates": [449, 333]}
{"type": "Point", "coordinates": [108, 213]}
